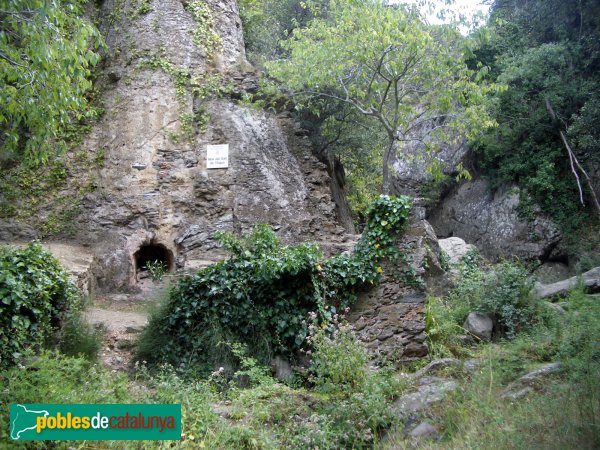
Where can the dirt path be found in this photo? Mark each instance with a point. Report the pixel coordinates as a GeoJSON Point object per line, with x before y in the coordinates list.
{"type": "Point", "coordinates": [122, 317]}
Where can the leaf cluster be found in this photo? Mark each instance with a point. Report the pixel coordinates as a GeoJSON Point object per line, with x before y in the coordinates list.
{"type": "Point", "coordinates": [47, 51]}
{"type": "Point", "coordinates": [35, 295]}
{"type": "Point", "coordinates": [547, 53]}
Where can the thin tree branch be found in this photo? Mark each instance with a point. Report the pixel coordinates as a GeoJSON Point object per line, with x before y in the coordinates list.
{"type": "Point", "coordinates": [574, 161]}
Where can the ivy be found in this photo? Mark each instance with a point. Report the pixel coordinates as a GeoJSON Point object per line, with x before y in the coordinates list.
{"type": "Point", "coordinates": [205, 37]}
{"type": "Point", "coordinates": [263, 293]}
{"type": "Point", "coordinates": [35, 296]}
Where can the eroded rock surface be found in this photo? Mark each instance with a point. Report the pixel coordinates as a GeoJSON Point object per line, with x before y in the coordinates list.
{"type": "Point", "coordinates": [153, 187]}
{"type": "Point", "coordinates": [491, 222]}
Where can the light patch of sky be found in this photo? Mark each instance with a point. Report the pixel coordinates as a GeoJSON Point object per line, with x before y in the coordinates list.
{"type": "Point", "coordinates": [474, 12]}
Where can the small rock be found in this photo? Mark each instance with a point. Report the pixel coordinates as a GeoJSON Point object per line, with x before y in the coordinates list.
{"type": "Point", "coordinates": [125, 344]}
{"type": "Point", "coordinates": [437, 365]}
{"type": "Point", "coordinates": [222, 410]}
{"type": "Point", "coordinates": [471, 365]}
{"type": "Point", "coordinates": [282, 369]}
{"type": "Point", "coordinates": [134, 328]}
{"type": "Point", "coordinates": [514, 394]}
{"type": "Point", "coordinates": [479, 325]}
{"type": "Point", "coordinates": [465, 339]}
{"type": "Point", "coordinates": [541, 372]}
{"type": "Point", "coordinates": [424, 431]}
{"type": "Point", "coordinates": [430, 391]}
{"type": "Point", "coordinates": [527, 383]}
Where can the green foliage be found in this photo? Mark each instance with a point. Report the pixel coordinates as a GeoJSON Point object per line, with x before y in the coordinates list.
{"type": "Point", "coordinates": [204, 35]}
{"type": "Point", "coordinates": [508, 296]}
{"type": "Point", "coordinates": [79, 338]}
{"type": "Point", "coordinates": [262, 294]}
{"type": "Point", "coordinates": [351, 406]}
{"type": "Point", "coordinates": [36, 296]}
{"type": "Point", "coordinates": [46, 57]}
{"type": "Point", "coordinates": [504, 291]}
{"type": "Point", "coordinates": [144, 7]}
{"type": "Point", "coordinates": [547, 53]}
{"type": "Point", "coordinates": [266, 22]}
{"type": "Point", "coordinates": [156, 269]}
{"type": "Point", "coordinates": [386, 64]}
{"type": "Point", "coordinates": [338, 361]}
{"type": "Point", "coordinates": [564, 408]}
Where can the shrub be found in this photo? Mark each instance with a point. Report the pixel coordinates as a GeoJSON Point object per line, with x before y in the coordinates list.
{"type": "Point", "coordinates": [338, 359]}
{"type": "Point", "coordinates": [507, 295]}
{"type": "Point", "coordinates": [503, 291]}
{"type": "Point", "coordinates": [156, 269]}
{"type": "Point", "coordinates": [262, 294]}
{"type": "Point", "coordinates": [359, 401]}
{"type": "Point", "coordinates": [36, 296]}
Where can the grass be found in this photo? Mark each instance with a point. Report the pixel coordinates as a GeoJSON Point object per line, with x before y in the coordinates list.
{"type": "Point", "coordinates": [342, 404]}
{"type": "Point", "coordinates": [563, 412]}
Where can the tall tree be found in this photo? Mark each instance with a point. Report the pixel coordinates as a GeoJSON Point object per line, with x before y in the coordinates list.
{"type": "Point", "coordinates": [385, 63]}
{"type": "Point", "coordinates": [46, 53]}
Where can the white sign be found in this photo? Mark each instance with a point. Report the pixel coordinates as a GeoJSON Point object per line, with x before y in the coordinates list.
{"type": "Point", "coordinates": [217, 156]}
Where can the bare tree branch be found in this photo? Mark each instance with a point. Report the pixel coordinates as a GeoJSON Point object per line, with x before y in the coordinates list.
{"type": "Point", "coordinates": [574, 161]}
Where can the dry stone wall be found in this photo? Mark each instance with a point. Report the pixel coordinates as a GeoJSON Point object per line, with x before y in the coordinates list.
{"type": "Point", "coordinates": [390, 318]}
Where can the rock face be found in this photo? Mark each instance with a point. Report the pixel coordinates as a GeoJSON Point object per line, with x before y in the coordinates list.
{"type": "Point", "coordinates": [469, 211]}
{"type": "Point", "coordinates": [491, 223]}
{"type": "Point", "coordinates": [155, 198]}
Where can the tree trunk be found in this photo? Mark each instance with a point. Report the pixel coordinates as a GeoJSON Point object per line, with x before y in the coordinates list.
{"type": "Point", "coordinates": [387, 156]}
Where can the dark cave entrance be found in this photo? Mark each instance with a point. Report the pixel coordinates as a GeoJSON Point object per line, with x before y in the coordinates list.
{"type": "Point", "coordinates": [151, 253]}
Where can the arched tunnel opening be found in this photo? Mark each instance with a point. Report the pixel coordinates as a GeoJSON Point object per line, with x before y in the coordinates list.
{"type": "Point", "coordinates": [153, 254]}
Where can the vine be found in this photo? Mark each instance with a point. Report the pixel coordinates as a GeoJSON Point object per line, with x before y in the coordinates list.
{"type": "Point", "coordinates": [205, 37]}
{"type": "Point", "coordinates": [200, 87]}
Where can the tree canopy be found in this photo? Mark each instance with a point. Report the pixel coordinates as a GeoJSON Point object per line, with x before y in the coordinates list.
{"type": "Point", "coordinates": [548, 54]}
{"type": "Point", "coordinates": [46, 53]}
{"type": "Point", "coordinates": [385, 63]}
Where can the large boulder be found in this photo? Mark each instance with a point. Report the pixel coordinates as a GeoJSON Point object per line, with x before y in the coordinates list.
{"type": "Point", "coordinates": [492, 223]}
{"type": "Point", "coordinates": [479, 325]}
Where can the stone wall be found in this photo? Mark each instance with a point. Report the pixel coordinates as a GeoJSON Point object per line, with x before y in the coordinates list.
{"type": "Point", "coordinates": [390, 318]}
